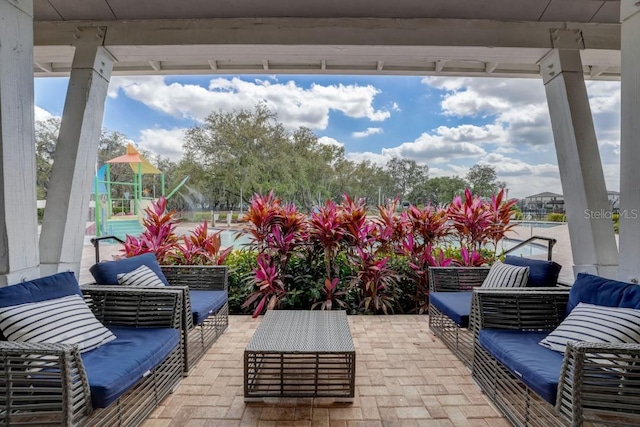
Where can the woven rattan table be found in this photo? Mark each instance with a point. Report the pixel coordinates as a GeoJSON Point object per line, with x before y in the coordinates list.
{"type": "Point", "coordinates": [300, 354]}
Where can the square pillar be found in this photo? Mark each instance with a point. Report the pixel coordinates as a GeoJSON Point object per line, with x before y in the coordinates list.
{"type": "Point", "coordinates": [18, 215]}
{"type": "Point", "coordinates": [591, 231]}
{"type": "Point", "coordinates": [630, 143]}
{"type": "Point", "coordinates": [70, 186]}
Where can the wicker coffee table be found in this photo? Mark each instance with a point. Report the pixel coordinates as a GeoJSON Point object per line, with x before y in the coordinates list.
{"type": "Point", "coordinates": [300, 354]}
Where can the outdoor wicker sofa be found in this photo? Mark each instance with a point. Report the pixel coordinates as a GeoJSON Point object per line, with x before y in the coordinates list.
{"type": "Point", "coordinates": [536, 386]}
{"type": "Point", "coordinates": [204, 291]}
{"type": "Point", "coordinates": [116, 384]}
{"type": "Point", "coordinates": [450, 299]}
{"type": "Point", "coordinates": [450, 305]}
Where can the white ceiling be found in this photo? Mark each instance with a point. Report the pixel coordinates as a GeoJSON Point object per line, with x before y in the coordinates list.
{"type": "Point", "coordinates": [410, 37]}
{"type": "Point", "coordinates": [501, 10]}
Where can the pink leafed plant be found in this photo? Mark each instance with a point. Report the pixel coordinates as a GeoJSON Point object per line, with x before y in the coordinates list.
{"type": "Point", "coordinates": [200, 248]}
{"type": "Point", "coordinates": [278, 232]}
{"type": "Point", "coordinates": [374, 282]}
{"type": "Point", "coordinates": [159, 238]}
{"type": "Point", "coordinates": [271, 288]}
{"type": "Point", "coordinates": [471, 220]}
{"type": "Point", "coordinates": [332, 295]}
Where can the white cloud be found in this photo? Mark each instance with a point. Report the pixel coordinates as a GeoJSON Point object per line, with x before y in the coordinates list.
{"type": "Point", "coordinates": [446, 144]}
{"type": "Point", "coordinates": [327, 140]}
{"type": "Point", "coordinates": [165, 142]}
{"type": "Point", "coordinates": [41, 114]}
{"type": "Point", "coordinates": [367, 132]}
{"type": "Point", "coordinates": [375, 158]}
{"type": "Point", "coordinates": [295, 105]}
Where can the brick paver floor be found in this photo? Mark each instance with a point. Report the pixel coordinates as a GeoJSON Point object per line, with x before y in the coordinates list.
{"type": "Point", "coordinates": [404, 377]}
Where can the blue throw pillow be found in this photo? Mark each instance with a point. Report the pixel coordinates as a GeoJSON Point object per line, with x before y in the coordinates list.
{"type": "Point", "coordinates": [42, 289]}
{"type": "Point", "coordinates": [541, 273]}
{"type": "Point", "coordinates": [106, 273]}
{"type": "Point", "coordinates": [598, 290]}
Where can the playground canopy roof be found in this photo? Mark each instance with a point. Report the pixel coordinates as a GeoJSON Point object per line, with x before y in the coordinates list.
{"type": "Point", "coordinates": [134, 159]}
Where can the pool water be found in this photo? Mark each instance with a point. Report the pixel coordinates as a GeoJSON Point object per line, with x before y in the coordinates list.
{"type": "Point", "coordinates": [538, 224]}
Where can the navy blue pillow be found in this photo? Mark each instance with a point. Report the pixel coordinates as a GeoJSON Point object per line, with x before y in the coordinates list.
{"type": "Point", "coordinates": [597, 290]}
{"type": "Point", "coordinates": [106, 273]}
{"type": "Point", "coordinates": [42, 289]}
{"type": "Point", "coordinates": [541, 273]}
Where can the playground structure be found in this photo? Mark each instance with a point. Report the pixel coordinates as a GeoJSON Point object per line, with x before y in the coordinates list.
{"type": "Point", "coordinates": [119, 216]}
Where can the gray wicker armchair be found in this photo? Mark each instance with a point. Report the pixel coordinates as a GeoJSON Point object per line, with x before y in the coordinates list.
{"type": "Point", "coordinates": [596, 382]}
{"type": "Point", "coordinates": [199, 336]}
{"type": "Point", "coordinates": [451, 329]}
{"type": "Point", "coordinates": [60, 395]}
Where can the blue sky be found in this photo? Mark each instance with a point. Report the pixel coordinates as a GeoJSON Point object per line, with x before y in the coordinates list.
{"type": "Point", "coordinates": [447, 123]}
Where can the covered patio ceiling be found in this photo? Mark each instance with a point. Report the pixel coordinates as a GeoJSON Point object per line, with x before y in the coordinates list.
{"type": "Point", "coordinates": [405, 37]}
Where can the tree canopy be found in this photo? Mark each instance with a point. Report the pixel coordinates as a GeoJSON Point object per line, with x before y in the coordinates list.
{"type": "Point", "coordinates": [232, 155]}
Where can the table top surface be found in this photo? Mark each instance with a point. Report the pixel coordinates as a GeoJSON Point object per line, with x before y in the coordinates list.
{"type": "Point", "coordinates": [297, 331]}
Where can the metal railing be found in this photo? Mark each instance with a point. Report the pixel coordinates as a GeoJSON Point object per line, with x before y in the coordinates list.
{"type": "Point", "coordinates": [95, 241]}
{"type": "Point", "coordinates": [550, 242]}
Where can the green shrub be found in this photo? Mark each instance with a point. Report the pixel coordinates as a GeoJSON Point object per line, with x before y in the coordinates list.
{"type": "Point", "coordinates": [305, 281]}
{"type": "Point", "coordinates": [241, 264]}
{"type": "Point", "coordinates": [556, 217]}
{"type": "Point", "coordinates": [200, 216]}
{"type": "Point", "coordinates": [405, 292]}
{"type": "Point", "coordinates": [234, 217]}
{"type": "Point", "coordinates": [222, 217]}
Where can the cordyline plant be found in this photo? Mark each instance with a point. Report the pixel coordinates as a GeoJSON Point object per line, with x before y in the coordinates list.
{"type": "Point", "coordinates": [470, 219]}
{"type": "Point", "coordinates": [199, 248]}
{"type": "Point", "coordinates": [327, 232]}
{"type": "Point", "coordinates": [277, 233]}
{"type": "Point", "coordinates": [391, 228]}
{"type": "Point", "coordinates": [500, 218]}
{"type": "Point", "coordinates": [159, 238]}
{"type": "Point", "coordinates": [478, 223]}
{"type": "Point", "coordinates": [271, 288]}
{"type": "Point", "coordinates": [374, 282]}
{"type": "Point", "coordinates": [426, 228]}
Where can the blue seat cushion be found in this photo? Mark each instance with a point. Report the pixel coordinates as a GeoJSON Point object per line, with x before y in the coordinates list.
{"type": "Point", "coordinates": [205, 303]}
{"type": "Point", "coordinates": [454, 305]}
{"type": "Point", "coordinates": [106, 273]}
{"type": "Point", "coordinates": [597, 290]}
{"type": "Point", "coordinates": [42, 289]}
{"type": "Point", "coordinates": [115, 367]}
{"type": "Point", "coordinates": [541, 273]}
{"type": "Point", "coordinates": [537, 366]}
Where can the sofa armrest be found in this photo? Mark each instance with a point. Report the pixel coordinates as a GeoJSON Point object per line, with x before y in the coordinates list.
{"type": "Point", "coordinates": [518, 309]}
{"type": "Point", "coordinates": [60, 391]}
{"type": "Point", "coordinates": [600, 376]}
{"type": "Point", "coordinates": [198, 277]}
{"type": "Point", "coordinates": [136, 307]}
{"type": "Point", "coordinates": [456, 279]}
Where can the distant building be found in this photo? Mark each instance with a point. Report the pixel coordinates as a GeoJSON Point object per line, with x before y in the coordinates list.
{"type": "Point", "coordinates": [614, 200]}
{"type": "Point", "coordinates": [547, 202]}
{"type": "Point", "coordinates": [542, 203]}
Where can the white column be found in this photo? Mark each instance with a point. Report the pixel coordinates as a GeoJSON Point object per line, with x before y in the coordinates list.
{"type": "Point", "coordinates": [18, 218]}
{"type": "Point", "coordinates": [592, 238]}
{"type": "Point", "coordinates": [630, 143]}
{"type": "Point", "coordinates": [65, 216]}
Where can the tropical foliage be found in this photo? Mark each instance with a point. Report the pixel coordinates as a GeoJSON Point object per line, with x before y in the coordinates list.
{"type": "Point", "coordinates": [293, 249]}
{"type": "Point", "coordinates": [159, 238]}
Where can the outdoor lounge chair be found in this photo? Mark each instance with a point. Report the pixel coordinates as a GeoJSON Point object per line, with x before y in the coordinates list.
{"type": "Point", "coordinates": [115, 381]}
{"type": "Point", "coordinates": [536, 386]}
{"type": "Point", "coordinates": [205, 298]}
{"type": "Point", "coordinates": [450, 299]}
